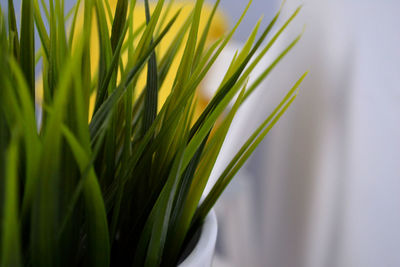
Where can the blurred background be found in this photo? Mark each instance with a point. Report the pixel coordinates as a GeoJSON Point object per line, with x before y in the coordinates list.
{"type": "Point", "coordinates": [323, 189]}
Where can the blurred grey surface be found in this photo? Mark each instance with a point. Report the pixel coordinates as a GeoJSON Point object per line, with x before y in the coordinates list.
{"type": "Point", "coordinates": [326, 181]}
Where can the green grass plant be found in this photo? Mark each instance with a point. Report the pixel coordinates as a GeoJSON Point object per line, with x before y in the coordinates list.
{"type": "Point", "coordinates": [122, 188]}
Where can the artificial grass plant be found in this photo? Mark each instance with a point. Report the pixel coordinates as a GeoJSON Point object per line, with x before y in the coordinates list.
{"type": "Point", "coordinates": [100, 172]}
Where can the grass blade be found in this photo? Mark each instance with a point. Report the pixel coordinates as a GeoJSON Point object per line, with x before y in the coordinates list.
{"type": "Point", "coordinates": [99, 244]}
{"type": "Point", "coordinates": [73, 24]}
{"type": "Point", "coordinates": [184, 71]}
{"type": "Point", "coordinates": [245, 152]}
{"type": "Point", "coordinates": [44, 37]}
{"type": "Point", "coordinates": [26, 115]}
{"type": "Point", "coordinates": [105, 44]}
{"type": "Point", "coordinates": [151, 95]}
{"type": "Point", "coordinates": [203, 38]}
{"type": "Point", "coordinates": [27, 59]}
{"type": "Point", "coordinates": [119, 22]}
{"type": "Point", "coordinates": [113, 171]}
{"type": "Point", "coordinates": [164, 208]}
{"type": "Point", "coordinates": [265, 73]}
{"type": "Point", "coordinates": [12, 28]}
{"type": "Point", "coordinates": [45, 211]}
{"type": "Point", "coordinates": [182, 224]}
{"type": "Point", "coordinates": [99, 119]}
{"type": "Point", "coordinates": [10, 238]}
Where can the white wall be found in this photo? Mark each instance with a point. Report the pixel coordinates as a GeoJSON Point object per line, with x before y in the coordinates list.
{"type": "Point", "coordinates": [333, 164]}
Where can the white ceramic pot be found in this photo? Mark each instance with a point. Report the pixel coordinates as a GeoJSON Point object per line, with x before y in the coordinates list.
{"type": "Point", "coordinates": [203, 252]}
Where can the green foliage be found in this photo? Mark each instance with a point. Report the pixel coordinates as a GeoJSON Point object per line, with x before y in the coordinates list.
{"type": "Point", "coordinates": [123, 188]}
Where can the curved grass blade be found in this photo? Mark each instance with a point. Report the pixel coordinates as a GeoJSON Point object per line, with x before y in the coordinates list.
{"type": "Point", "coordinates": [245, 152]}
{"type": "Point", "coordinates": [26, 115]}
{"type": "Point", "coordinates": [98, 235]}
{"type": "Point", "coordinates": [234, 80]}
{"type": "Point", "coordinates": [239, 58]}
{"type": "Point", "coordinates": [205, 66]}
{"type": "Point", "coordinates": [172, 252]}
{"type": "Point", "coordinates": [164, 207]}
{"type": "Point", "coordinates": [203, 172]}
{"type": "Point", "coordinates": [262, 77]}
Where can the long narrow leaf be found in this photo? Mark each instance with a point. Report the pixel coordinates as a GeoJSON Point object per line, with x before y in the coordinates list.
{"type": "Point", "coordinates": [119, 22]}
{"type": "Point", "coordinates": [28, 44]}
{"type": "Point", "coordinates": [151, 95]}
{"type": "Point", "coordinates": [10, 238]}
{"type": "Point", "coordinates": [246, 150]}
{"type": "Point", "coordinates": [12, 28]}
{"type": "Point", "coordinates": [99, 244]}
